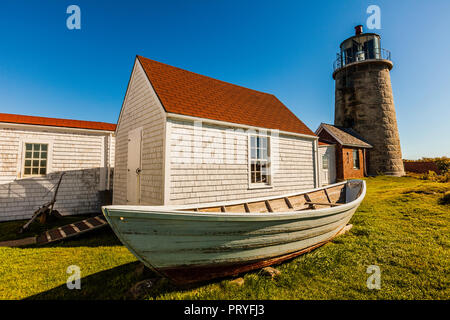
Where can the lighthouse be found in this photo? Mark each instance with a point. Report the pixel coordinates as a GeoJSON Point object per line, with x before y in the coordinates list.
{"type": "Point", "coordinates": [364, 100]}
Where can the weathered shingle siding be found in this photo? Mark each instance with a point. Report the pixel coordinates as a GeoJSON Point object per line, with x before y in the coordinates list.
{"type": "Point", "coordinates": [215, 167]}
{"type": "Point", "coordinates": [140, 109]}
{"type": "Point", "coordinates": [78, 154]}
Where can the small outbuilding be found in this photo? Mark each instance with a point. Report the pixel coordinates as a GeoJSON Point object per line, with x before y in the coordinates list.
{"type": "Point", "coordinates": [350, 151]}
{"type": "Point", "coordinates": [185, 138]}
{"type": "Point", "coordinates": [35, 151]}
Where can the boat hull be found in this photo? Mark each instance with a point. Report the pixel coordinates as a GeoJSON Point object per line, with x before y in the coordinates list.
{"type": "Point", "coordinates": [198, 273]}
{"type": "Point", "coordinates": [188, 247]}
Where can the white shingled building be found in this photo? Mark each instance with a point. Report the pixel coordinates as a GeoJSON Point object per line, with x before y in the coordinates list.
{"type": "Point", "coordinates": [185, 138]}
{"type": "Point", "coordinates": [34, 151]}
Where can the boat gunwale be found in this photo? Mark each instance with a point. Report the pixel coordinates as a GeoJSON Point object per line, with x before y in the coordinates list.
{"type": "Point", "coordinates": [174, 211]}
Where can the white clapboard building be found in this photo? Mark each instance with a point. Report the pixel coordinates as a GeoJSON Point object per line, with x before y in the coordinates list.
{"type": "Point", "coordinates": [35, 151]}
{"type": "Point", "coordinates": [185, 138]}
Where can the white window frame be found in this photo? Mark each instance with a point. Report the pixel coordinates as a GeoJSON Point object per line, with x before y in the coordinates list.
{"type": "Point", "coordinates": [260, 185]}
{"type": "Point", "coordinates": [21, 169]}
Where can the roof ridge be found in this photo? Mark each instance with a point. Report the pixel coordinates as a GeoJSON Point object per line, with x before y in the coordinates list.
{"type": "Point", "coordinates": [57, 122]}
{"type": "Point", "coordinates": [289, 110]}
{"type": "Point", "coordinates": [52, 118]}
{"type": "Point", "coordinates": [345, 130]}
{"type": "Point", "coordinates": [204, 76]}
{"type": "Point", "coordinates": [188, 93]}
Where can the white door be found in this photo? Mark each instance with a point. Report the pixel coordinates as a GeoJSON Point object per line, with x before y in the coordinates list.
{"type": "Point", "coordinates": [325, 169]}
{"type": "Point", "coordinates": [331, 164]}
{"type": "Point", "coordinates": [327, 165]}
{"type": "Point", "coordinates": [134, 166]}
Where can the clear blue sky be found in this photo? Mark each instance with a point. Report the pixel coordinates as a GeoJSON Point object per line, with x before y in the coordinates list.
{"type": "Point", "coordinates": [283, 47]}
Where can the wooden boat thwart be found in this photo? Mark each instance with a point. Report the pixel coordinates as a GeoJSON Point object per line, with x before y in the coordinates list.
{"type": "Point", "coordinates": [196, 243]}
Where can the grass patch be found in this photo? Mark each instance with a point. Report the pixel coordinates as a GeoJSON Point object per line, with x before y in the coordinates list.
{"type": "Point", "coordinates": [402, 226]}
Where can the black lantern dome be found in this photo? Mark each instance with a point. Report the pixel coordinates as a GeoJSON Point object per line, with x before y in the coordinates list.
{"type": "Point", "coordinates": [361, 47]}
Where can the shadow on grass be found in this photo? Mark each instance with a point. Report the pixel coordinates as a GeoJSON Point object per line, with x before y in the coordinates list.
{"type": "Point", "coordinates": [112, 284]}
{"type": "Point", "coordinates": [109, 284]}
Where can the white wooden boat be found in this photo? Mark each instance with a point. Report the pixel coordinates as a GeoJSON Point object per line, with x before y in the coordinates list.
{"type": "Point", "coordinates": [196, 243]}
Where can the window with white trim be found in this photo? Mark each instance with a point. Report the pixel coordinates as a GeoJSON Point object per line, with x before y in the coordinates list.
{"type": "Point", "coordinates": [259, 160]}
{"type": "Point", "coordinates": [35, 159]}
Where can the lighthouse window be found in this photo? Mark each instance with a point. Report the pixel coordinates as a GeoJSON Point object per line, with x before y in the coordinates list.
{"type": "Point", "coordinates": [369, 49]}
{"type": "Point", "coordinates": [349, 56]}
{"type": "Point", "coordinates": [355, 158]}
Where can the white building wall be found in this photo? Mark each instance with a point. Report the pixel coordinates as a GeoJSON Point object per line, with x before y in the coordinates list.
{"type": "Point", "coordinates": [75, 152]}
{"type": "Point", "coordinates": [141, 108]}
{"type": "Point", "coordinates": [210, 163]}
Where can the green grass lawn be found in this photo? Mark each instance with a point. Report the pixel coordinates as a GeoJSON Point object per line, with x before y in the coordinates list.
{"type": "Point", "coordinates": [401, 226]}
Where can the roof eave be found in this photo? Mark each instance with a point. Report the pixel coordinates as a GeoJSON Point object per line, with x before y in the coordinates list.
{"type": "Point", "coordinates": [41, 126]}
{"type": "Point", "coordinates": [323, 127]}
{"type": "Point", "coordinates": [239, 125]}
{"type": "Point", "coordinates": [357, 146]}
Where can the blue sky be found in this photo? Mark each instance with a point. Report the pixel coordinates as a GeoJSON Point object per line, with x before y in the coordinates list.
{"type": "Point", "coordinates": [283, 47]}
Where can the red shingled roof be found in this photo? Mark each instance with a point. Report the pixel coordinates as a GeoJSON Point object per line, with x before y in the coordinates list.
{"type": "Point", "coordinates": [54, 122]}
{"type": "Point", "coordinates": [187, 93]}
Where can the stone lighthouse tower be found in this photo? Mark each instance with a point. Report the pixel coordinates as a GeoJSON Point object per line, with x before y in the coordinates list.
{"type": "Point", "coordinates": [364, 100]}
